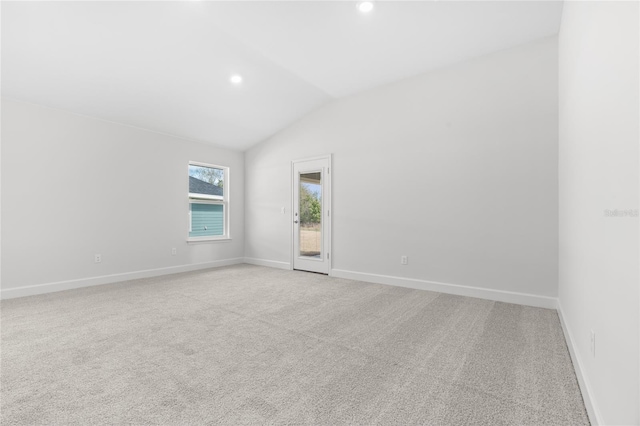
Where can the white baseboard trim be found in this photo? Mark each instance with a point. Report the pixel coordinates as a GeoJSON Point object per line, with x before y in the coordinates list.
{"type": "Point", "coordinates": [460, 290]}
{"type": "Point", "coordinates": [268, 263]}
{"type": "Point", "coordinates": [11, 293]}
{"type": "Point", "coordinates": [593, 412]}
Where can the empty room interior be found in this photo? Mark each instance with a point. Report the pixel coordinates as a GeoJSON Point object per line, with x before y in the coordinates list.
{"type": "Point", "coordinates": [320, 212]}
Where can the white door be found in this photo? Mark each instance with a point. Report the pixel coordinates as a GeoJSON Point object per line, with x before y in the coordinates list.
{"type": "Point", "coordinates": [311, 215]}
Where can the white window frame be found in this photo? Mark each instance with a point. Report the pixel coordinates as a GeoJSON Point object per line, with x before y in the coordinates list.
{"type": "Point", "coordinates": [210, 199]}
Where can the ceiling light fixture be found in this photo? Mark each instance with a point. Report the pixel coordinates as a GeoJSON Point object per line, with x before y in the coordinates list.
{"type": "Point", "coordinates": [365, 6]}
{"type": "Point", "coordinates": [236, 79]}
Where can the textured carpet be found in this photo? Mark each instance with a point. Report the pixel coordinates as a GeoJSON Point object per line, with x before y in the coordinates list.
{"type": "Point", "coordinates": [252, 345]}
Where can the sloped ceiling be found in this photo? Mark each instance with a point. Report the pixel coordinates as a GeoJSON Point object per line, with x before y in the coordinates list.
{"type": "Point", "coordinates": [165, 66]}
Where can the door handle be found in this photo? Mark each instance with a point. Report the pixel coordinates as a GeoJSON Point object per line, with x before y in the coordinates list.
{"type": "Point", "coordinates": [295, 221]}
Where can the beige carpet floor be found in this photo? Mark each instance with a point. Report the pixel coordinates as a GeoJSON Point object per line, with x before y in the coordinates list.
{"type": "Point", "coordinates": [252, 345]}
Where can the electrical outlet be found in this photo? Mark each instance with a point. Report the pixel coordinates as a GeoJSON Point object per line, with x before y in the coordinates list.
{"type": "Point", "coordinates": [174, 251]}
{"type": "Point", "coordinates": [593, 343]}
{"type": "Point", "coordinates": [97, 258]}
{"type": "Point", "coordinates": [404, 260]}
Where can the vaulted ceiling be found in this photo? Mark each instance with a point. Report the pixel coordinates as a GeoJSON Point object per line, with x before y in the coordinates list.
{"type": "Point", "coordinates": [165, 66]}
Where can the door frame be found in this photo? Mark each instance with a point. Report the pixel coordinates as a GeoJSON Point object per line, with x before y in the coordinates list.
{"type": "Point", "coordinates": [327, 198]}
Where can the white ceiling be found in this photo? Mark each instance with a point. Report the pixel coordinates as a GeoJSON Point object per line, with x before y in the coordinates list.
{"type": "Point", "coordinates": [165, 66]}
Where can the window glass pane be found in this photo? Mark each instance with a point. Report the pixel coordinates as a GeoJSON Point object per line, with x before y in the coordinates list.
{"type": "Point", "coordinates": [207, 220]}
{"type": "Point", "coordinates": [206, 181]}
{"type": "Point", "coordinates": [310, 214]}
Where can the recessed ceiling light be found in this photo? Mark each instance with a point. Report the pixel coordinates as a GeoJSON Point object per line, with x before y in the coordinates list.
{"type": "Point", "coordinates": [236, 79]}
{"type": "Point", "coordinates": [365, 6]}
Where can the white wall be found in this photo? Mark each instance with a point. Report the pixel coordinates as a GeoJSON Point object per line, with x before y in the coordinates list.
{"type": "Point", "coordinates": [74, 186]}
{"type": "Point", "coordinates": [456, 168]}
{"type": "Point", "coordinates": [598, 160]}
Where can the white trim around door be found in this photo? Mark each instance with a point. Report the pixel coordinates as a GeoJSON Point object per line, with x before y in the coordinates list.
{"type": "Point", "coordinates": [311, 214]}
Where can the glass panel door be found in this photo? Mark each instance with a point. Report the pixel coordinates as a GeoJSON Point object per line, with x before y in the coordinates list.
{"type": "Point", "coordinates": [311, 240]}
{"type": "Point", "coordinates": [310, 211]}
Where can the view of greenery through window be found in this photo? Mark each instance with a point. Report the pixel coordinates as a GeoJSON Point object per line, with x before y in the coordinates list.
{"type": "Point", "coordinates": [310, 205]}
{"type": "Point", "coordinates": [310, 219]}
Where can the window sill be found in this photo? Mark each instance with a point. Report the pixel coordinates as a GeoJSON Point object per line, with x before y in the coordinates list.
{"type": "Point", "coordinates": [195, 240]}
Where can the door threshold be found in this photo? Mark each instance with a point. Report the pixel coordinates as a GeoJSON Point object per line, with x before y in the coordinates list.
{"type": "Point", "coordinates": [311, 272]}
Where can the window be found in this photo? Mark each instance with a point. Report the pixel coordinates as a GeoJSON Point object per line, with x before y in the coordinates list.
{"type": "Point", "coordinates": [208, 202]}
